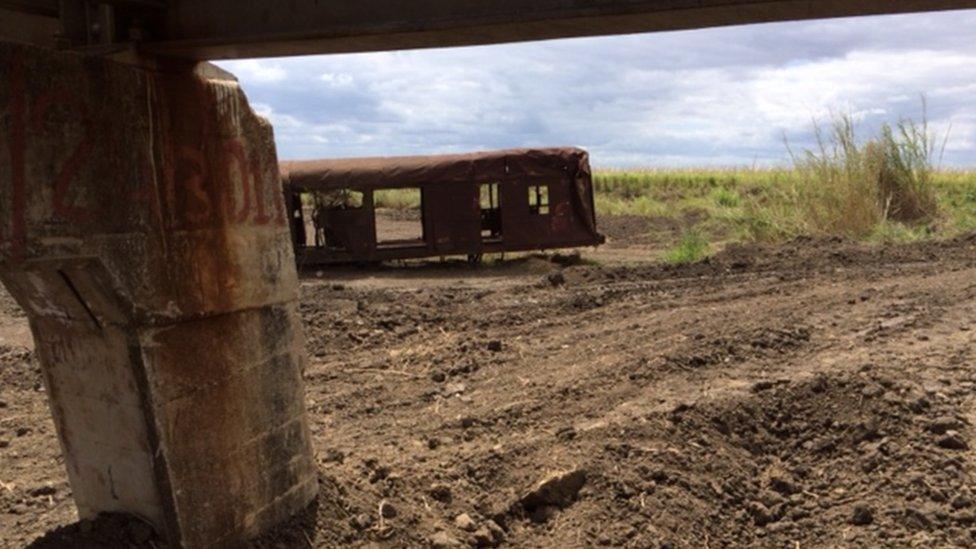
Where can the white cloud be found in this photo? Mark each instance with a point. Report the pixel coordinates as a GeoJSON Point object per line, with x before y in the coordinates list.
{"type": "Point", "coordinates": [718, 96]}
{"type": "Point", "coordinates": [337, 80]}
{"type": "Point", "coordinates": [256, 71]}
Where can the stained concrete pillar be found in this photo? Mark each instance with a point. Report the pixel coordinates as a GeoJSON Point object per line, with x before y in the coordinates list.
{"type": "Point", "coordinates": [142, 229]}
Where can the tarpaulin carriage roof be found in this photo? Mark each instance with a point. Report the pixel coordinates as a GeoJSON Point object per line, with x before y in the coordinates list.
{"type": "Point", "coordinates": [408, 171]}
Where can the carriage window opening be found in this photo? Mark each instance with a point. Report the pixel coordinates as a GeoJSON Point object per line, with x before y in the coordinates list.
{"type": "Point", "coordinates": [539, 199]}
{"type": "Point", "coordinates": [491, 221]}
{"type": "Point", "coordinates": [489, 196]}
{"type": "Point", "coordinates": [307, 215]}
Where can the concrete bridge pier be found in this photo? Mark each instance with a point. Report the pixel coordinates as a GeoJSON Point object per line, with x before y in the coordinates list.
{"type": "Point", "coordinates": [142, 229]}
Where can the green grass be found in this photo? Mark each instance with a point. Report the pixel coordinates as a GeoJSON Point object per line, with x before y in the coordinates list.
{"type": "Point", "coordinates": [690, 248]}
{"type": "Point", "coordinates": [885, 188]}
{"type": "Point", "coordinates": [736, 204]}
{"type": "Point", "coordinates": [771, 205]}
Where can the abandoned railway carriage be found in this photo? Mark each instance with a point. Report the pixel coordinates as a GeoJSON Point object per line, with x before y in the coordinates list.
{"type": "Point", "coordinates": [469, 204]}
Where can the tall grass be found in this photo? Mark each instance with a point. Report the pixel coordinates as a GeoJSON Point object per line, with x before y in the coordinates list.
{"type": "Point", "coordinates": [769, 204]}
{"type": "Point", "coordinates": [848, 187]}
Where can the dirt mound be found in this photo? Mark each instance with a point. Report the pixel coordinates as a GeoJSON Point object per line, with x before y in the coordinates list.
{"type": "Point", "coordinates": [799, 256]}
{"type": "Point", "coordinates": [624, 229]}
{"type": "Point", "coordinates": [851, 459]}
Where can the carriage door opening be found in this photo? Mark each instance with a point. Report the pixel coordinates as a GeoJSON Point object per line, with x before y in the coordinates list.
{"type": "Point", "coordinates": [399, 217]}
{"type": "Point", "coordinates": [491, 213]}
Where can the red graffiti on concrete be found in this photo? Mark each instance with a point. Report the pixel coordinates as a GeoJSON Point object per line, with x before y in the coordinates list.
{"type": "Point", "coordinates": [235, 150]}
{"type": "Point", "coordinates": [61, 201]}
{"type": "Point", "coordinates": [192, 171]}
{"type": "Point", "coordinates": [194, 198]}
{"type": "Point", "coordinates": [251, 180]}
{"type": "Point", "coordinates": [197, 199]}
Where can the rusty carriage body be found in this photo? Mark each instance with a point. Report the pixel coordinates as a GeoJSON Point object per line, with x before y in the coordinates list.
{"type": "Point", "coordinates": [469, 204]}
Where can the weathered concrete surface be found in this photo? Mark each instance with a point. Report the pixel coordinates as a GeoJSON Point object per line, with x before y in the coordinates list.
{"type": "Point", "coordinates": [142, 229]}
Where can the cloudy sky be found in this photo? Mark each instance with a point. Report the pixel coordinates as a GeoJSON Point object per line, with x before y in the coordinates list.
{"type": "Point", "coordinates": [707, 97]}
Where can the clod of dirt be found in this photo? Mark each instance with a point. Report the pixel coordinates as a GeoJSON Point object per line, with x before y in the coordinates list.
{"type": "Point", "coordinates": [783, 485]}
{"type": "Point", "coordinates": [44, 490]}
{"type": "Point", "coordinates": [872, 390]}
{"type": "Point", "coordinates": [915, 519]}
{"type": "Point", "coordinates": [496, 531]}
{"type": "Point", "coordinates": [862, 515]}
{"type": "Point", "coordinates": [556, 491]}
{"type": "Point", "coordinates": [495, 346]}
{"type": "Point", "coordinates": [441, 493]}
{"type": "Point", "coordinates": [484, 538]}
{"type": "Point", "coordinates": [438, 377]}
{"type": "Point", "coordinates": [961, 502]}
{"type": "Point", "coordinates": [442, 539]}
{"type": "Point", "coordinates": [952, 441]}
{"type": "Point", "coordinates": [378, 474]}
{"type": "Point", "coordinates": [465, 522]}
{"type": "Point", "coordinates": [761, 386]}
{"type": "Point", "coordinates": [940, 426]}
{"type": "Point", "coordinates": [567, 259]}
{"type": "Point", "coordinates": [387, 510]}
{"type": "Point", "coordinates": [566, 433]}
{"type": "Point", "coordinates": [761, 515]}
{"type": "Point", "coordinates": [678, 410]}
{"type": "Point", "coordinates": [334, 456]}
{"type": "Point", "coordinates": [555, 279]}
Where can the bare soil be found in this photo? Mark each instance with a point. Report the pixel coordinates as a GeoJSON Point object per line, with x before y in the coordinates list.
{"type": "Point", "coordinates": [818, 393]}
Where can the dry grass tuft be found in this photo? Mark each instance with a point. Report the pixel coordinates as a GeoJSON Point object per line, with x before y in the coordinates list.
{"type": "Point", "coordinates": [849, 188]}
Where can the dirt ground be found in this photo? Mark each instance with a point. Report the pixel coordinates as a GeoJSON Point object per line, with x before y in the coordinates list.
{"type": "Point", "coordinates": [814, 394]}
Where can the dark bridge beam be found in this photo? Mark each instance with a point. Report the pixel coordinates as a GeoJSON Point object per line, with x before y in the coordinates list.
{"type": "Point", "coordinates": [233, 28]}
{"type": "Point", "coordinates": [210, 29]}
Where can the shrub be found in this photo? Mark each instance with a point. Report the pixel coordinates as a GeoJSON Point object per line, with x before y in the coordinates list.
{"type": "Point", "coordinates": [726, 198]}
{"type": "Point", "coordinates": [690, 248]}
{"type": "Point", "coordinates": [850, 188]}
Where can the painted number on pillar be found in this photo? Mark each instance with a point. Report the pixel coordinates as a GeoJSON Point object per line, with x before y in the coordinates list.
{"type": "Point", "coordinates": [249, 173]}
{"type": "Point", "coordinates": [62, 201]}
{"type": "Point", "coordinates": [21, 128]}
